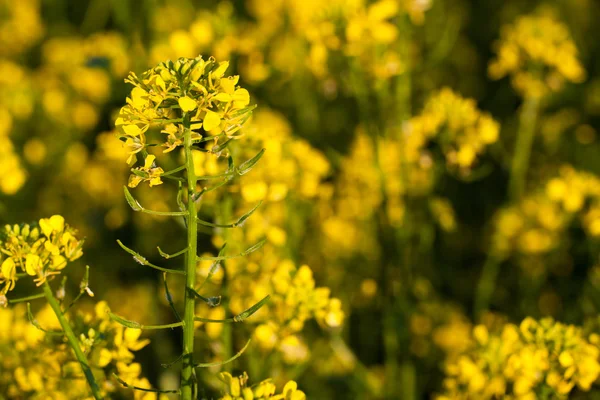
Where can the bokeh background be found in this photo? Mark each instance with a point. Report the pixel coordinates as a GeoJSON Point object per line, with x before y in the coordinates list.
{"type": "Point", "coordinates": [431, 178]}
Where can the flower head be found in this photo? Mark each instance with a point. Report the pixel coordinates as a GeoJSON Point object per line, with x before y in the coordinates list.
{"type": "Point", "coordinates": [188, 92]}
{"type": "Point", "coordinates": [537, 52]}
{"type": "Point", "coordinates": [40, 251]}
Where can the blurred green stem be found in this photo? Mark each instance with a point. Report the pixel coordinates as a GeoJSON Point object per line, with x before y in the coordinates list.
{"type": "Point", "coordinates": [522, 153]}
{"type": "Point", "coordinates": [73, 342]}
{"type": "Point", "coordinates": [516, 187]}
{"type": "Point", "coordinates": [188, 378]}
{"type": "Point", "coordinates": [226, 335]}
{"type": "Point", "coordinates": [486, 285]}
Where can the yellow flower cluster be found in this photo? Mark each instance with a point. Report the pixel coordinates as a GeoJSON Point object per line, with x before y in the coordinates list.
{"type": "Point", "coordinates": [294, 300]}
{"type": "Point", "coordinates": [16, 103]}
{"type": "Point", "coordinates": [211, 31]}
{"type": "Point", "coordinates": [206, 98]}
{"type": "Point", "coordinates": [78, 72]}
{"type": "Point", "coordinates": [41, 251]}
{"type": "Point", "coordinates": [237, 389]}
{"type": "Point", "coordinates": [39, 365]}
{"type": "Point", "coordinates": [373, 169]}
{"type": "Point", "coordinates": [437, 328]}
{"type": "Point", "coordinates": [21, 26]}
{"type": "Point", "coordinates": [347, 207]}
{"type": "Point", "coordinates": [456, 124]}
{"type": "Point", "coordinates": [289, 36]}
{"type": "Point", "coordinates": [289, 172]}
{"type": "Point", "coordinates": [12, 174]}
{"type": "Point", "coordinates": [289, 165]}
{"type": "Point", "coordinates": [538, 359]}
{"type": "Point", "coordinates": [539, 54]}
{"type": "Point", "coordinates": [535, 226]}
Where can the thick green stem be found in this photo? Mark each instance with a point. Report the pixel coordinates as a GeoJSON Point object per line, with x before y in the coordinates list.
{"type": "Point", "coordinates": [523, 146]}
{"type": "Point", "coordinates": [188, 379]}
{"type": "Point", "coordinates": [73, 342]}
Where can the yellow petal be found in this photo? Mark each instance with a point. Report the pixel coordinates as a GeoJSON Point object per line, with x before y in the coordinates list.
{"type": "Point", "coordinates": [104, 358]}
{"type": "Point", "coordinates": [291, 386]}
{"type": "Point", "coordinates": [227, 85]}
{"type": "Point", "coordinates": [131, 335]}
{"type": "Point", "coordinates": [58, 223]}
{"type": "Point", "coordinates": [187, 104]}
{"type": "Point", "coordinates": [8, 268]}
{"type": "Point", "coordinates": [132, 130]}
{"type": "Point", "coordinates": [241, 98]}
{"type": "Point", "coordinates": [31, 264]}
{"type": "Point", "coordinates": [223, 97]}
{"type": "Point", "coordinates": [46, 226]}
{"type": "Point", "coordinates": [139, 97]}
{"type": "Point", "coordinates": [51, 248]}
{"type": "Point", "coordinates": [161, 83]}
{"type": "Point", "coordinates": [211, 120]}
{"type": "Point", "coordinates": [217, 73]}
{"type": "Point", "coordinates": [134, 180]}
{"type": "Point", "coordinates": [59, 262]}
{"type": "Point", "coordinates": [149, 160]}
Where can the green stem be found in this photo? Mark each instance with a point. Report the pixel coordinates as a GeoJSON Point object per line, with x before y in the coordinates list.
{"type": "Point", "coordinates": [516, 187]}
{"type": "Point", "coordinates": [187, 374]}
{"type": "Point", "coordinates": [73, 342]}
{"type": "Point", "coordinates": [486, 285]}
{"type": "Point", "coordinates": [523, 146]}
{"type": "Point", "coordinates": [227, 332]}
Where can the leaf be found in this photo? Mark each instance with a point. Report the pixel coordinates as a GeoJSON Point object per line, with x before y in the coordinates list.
{"type": "Point", "coordinates": [133, 203]}
{"type": "Point", "coordinates": [235, 224]}
{"type": "Point", "coordinates": [249, 312]}
{"type": "Point", "coordinates": [143, 261]}
{"type": "Point", "coordinates": [205, 365]}
{"type": "Point", "coordinates": [246, 166]}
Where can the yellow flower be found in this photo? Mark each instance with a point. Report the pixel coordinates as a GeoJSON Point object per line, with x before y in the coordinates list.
{"type": "Point", "coordinates": [37, 255]}
{"type": "Point", "coordinates": [214, 101]}
{"type": "Point", "coordinates": [539, 54]}
{"type": "Point", "coordinates": [148, 173]}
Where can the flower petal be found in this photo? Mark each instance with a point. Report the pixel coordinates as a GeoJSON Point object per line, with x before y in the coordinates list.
{"type": "Point", "coordinates": [211, 120]}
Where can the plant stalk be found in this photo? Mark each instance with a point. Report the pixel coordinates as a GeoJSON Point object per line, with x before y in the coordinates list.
{"type": "Point", "coordinates": [227, 333]}
{"type": "Point", "coordinates": [525, 136]}
{"type": "Point", "coordinates": [73, 342]}
{"type": "Point", "coordinates": [516, 187]}
{"type": "Point", "coordinates": [486, 285]}
{"type": "Point", "coordinates": [188, 379]}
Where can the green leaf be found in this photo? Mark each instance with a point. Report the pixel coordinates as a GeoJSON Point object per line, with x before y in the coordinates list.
{"type": "Point", "coordinates": [241, 317]}
{"type": "Point", "coordinates": [213, 267]}
{"type": "Point", "coordinates": [143, 261]}
{"type": "Point", "coordinates": [170, 298]}
{"type": "Point", "coordinates": [249, 250]}
{"type": "Point", "coordinates": [128, 386]}
{"type": "Point", "coordinates": [206, 365]}
{"type": "Point", "coordinates": [136, 206]}
{"type": "Point", "coordinates": [235, 224]}
{"type": "Point", "coordinates": [213, 301]}
{"type": "Point", "coordinates": [136, 325]}
{"type": "Point", "coordinates": [246, 166]}
{"type": "Point", "coordinates": [249, 312]}
{"type": "Point", "coordinates": [133, 203]}
{"type": "Point", "coordinates": [35, 323]}
{"type": "Point", "coordinates": [167, 256]}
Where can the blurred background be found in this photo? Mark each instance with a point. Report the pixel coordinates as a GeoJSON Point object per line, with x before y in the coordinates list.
{"type": "Point", "coordinates": [430, 165]}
